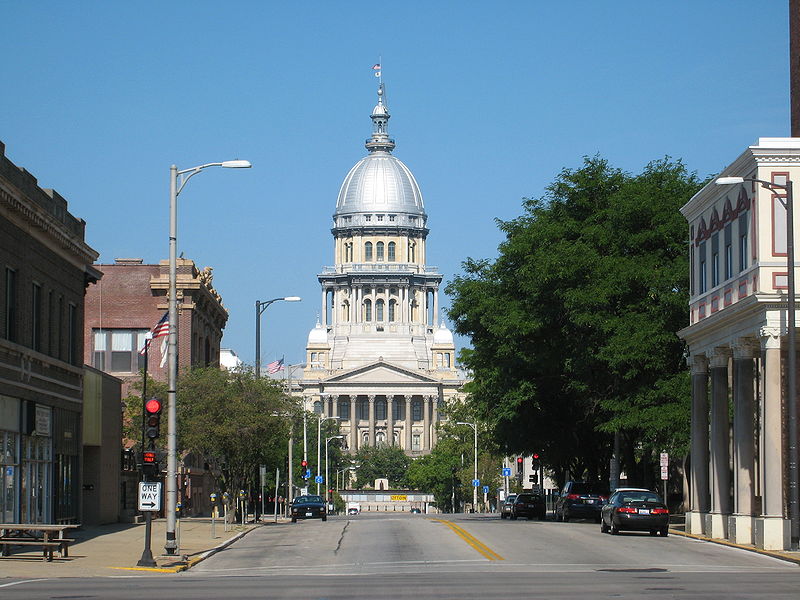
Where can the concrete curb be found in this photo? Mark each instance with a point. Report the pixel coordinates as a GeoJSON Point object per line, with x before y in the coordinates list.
{"type": "Point", "coordinates": [772, 553]}
{"type": "Point", "coordinates": [198, 559]}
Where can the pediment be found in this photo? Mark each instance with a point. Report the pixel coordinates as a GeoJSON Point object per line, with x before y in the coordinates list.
{"type": "Point", "coordinates": [380, 372]}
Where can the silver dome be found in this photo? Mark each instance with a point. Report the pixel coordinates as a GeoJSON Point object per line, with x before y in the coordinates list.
{"type": "Point", "coordinates": [380, 183]}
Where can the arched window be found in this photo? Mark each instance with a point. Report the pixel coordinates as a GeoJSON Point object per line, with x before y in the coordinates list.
{"type": "Point", "coordinates": [365, 439]}
{"type": "Point", "coordinates": [380, 410]}
{"type": "Point", "coordinates": [368, 310]}
{"type": "Point", "coordinates": [368, 252]}
{"type": "Point", "coordinates": [379, 251]}
{"type": "Point", "coordinates": [392, 310]}
{"type": "Point", "coordinates": [344, 409]}
{"type": "Point", "coordinates": [391, 252]}
{"type": "Point", "coordinates": [447, 360]}
{"type": "Point", "coordinates": [379, 310]}
{"type": "Point", "coordinates": [380, 438]}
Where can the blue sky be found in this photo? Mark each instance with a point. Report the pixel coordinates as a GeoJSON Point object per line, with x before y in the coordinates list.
{"type": "Point", "coordinates": [489, 101]}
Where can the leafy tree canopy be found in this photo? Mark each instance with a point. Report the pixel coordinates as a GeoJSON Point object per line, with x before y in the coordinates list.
{"type": "Point", "coordinates": [573, 325]}
{"type": "Point", "coordinates": [381, 462]}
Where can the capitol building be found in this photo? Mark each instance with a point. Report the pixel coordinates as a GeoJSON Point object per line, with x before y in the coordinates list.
{"type": "Point", "coordinates": [380, 359]}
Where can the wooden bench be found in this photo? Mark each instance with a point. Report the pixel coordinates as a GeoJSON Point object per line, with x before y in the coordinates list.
{"type": "Point", "coordinates": [47, 547]}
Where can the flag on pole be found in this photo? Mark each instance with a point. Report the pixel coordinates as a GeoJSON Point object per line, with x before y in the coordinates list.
{"type": "Point", "coordinates": [160, 329]}
{"type": "Point", "coordinates": [377, 68]}
{"type": "Point", "coordinates": [275, 366]}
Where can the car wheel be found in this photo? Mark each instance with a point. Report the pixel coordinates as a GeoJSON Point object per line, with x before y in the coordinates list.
{"type": "Point", "coordinates": [513, 517]}
{"type": "Point", "coordinates": [614, 529]}
{"type": "Point", "coordinates": [603, 527]}
{"type": "Point", "coordinates": [597, 519]}
{"type": "Point", "coordinates": [565, 517]}
{"type": "Point", "coordinates": [542, 517]}
{"type": "Point", "coordinates": [503, 515]}
{"type": "Point", "coordinates": [664, 532]}
{"type": "Point", "coordinates": [324, 518]}
{"type": "Point", "coordinates": [294, 520]}
{"type": "Point", "coordinates": [653, 532]}
{"type": "Point", "coordinates": [530, 517]}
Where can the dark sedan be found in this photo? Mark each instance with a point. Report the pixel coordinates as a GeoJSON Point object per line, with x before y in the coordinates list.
{"type": "Point", "coordinates": [530, 506]}
{"type": "Point", "coordinates": [309, 507]}
{"type": "Point", "coordinates": [505, 508]}
{"type": "Point", "coordinates": [636, 510]}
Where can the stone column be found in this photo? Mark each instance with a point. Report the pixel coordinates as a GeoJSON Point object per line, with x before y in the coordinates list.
{"type": "Point", "coordinates": [699, 435]}
{"type": "Point", "coordinates": [776, 528]}
{"type": "Point", "coordinates": [323, 315]}
{"type": "Point", "coordinates": [390, 419]}
{"type": "Point", "coordinates": [371, 399]}
{"type": "Point", "coordinates": [426, 423]}
{"type": "Point", "coordinates": [408, 424]}
{"type": "Point", "coordinates": [335, 406]}
{"type": "Point", "coordinates": [434, 421]}
{"type": "Point", "coordinates": [435, 307]}
{"type": "Point", "coordinates": [720, 444]}
{"type": "Point", "coordinates": [744, 352]}
{"type": "Point", "coordinates": [353, 425]}
{"type": "Point", "coordinates": [323, 398]}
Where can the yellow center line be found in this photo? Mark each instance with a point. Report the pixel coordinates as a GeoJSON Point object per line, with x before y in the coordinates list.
{"type": "Point", "coordinates": [471, 540]}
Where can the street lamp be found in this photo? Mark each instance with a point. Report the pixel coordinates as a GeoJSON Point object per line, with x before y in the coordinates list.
{"type": "Point", "coordinates": [791, 366]}
{"type": "Point", "coordinates": [177, 180]}
{"type": "Point", "coordinates": [327, 484]}
{"type": "Point", "coordinates": [475, 477]}
{"type": "Point", "coordinates": [261, 306]}
{"type": "Point", "coordinates": [319, 446]}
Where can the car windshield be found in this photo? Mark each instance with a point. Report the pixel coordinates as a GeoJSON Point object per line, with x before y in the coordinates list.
{"type": "Point", "coordinates": [632, 497]}
{"type": "Point", "coordinates": [527, 497]}
{"type": "Point", "coordinates": [308, 500]}
{"type": "Point", "coordinates": [580, 487]}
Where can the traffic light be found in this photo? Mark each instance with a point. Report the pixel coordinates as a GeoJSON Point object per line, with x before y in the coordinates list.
{"type": "Point", "coordinates": [149, 463]}
{"type": "Point", "coordinates": [152, 410]}
{"type": "Point", "coordinates": [519, 464]}
{"type": "Point", "coordinates": [304, 469]}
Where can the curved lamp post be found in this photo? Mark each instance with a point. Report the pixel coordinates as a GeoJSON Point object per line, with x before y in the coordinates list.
{"type": "Point", "coordinates": [319, 446]}
{"type": "Point", "coordinates": [261, 306]}
{"type": "Point", "coordinates": [327, 441]}
{"type": "Point", "coordinates": [177, 180]}
{"type": "Point", "coordinates": [475, 472]}
{"type": "Point", "coordinates": [791, 366]}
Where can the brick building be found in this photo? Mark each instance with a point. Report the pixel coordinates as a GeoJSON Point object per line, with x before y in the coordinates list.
{"type": "Point", "coordinates": [46, 266]}
{"type": "Point", "coordinates": [130, 300]}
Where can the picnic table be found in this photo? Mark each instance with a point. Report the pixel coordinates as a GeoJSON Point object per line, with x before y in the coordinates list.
{"type": "Point", "coordinates": [48, 536]}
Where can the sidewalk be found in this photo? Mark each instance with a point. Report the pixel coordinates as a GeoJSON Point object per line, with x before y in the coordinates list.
{"type": "Point", "coordinates": [113, 550]}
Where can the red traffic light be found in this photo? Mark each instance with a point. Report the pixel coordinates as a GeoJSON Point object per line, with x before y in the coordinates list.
{"type": "Point", "coordinates": [153, 406]}
{"type": "Point", "coordinates": [303, 463]}
{"type": "Point", "coordinates": [519, 460]}
{"type": "Point", "coordinates": [148, 457]}
{"type": "Point", "coordinates": [536, 456]}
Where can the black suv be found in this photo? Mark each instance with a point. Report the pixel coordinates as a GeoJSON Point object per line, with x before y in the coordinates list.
{"type": "Point", "coordinates": [308, 507]}
{"type": "Point", "coordinates": [580, 500]}
{"type": "Point", "coordinates": [529, 505]}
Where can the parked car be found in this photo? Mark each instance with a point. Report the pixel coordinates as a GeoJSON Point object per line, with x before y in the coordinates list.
{"type": "Point", "coordinates": [505, 509]}
{"type": "Point", "coordinates": [416, 511]}
{"type": "Point", "coordinates": [352, 511]}
{"type": "Point", "coordinates": [529, 505]}
{"type": "Point", "coordinates": [309, 507]}
{"type": "Point", "coordinates": [635, 509]}
{"type": "Point", "coordinates": [580, 500]}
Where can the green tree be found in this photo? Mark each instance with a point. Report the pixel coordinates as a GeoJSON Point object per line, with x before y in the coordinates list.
{"type": "Point", "coordinates": [381, 462]}
{"type": "Point", "coordinates": [573, 325]}
{"type": "Point", "coordinates": [235, 421]}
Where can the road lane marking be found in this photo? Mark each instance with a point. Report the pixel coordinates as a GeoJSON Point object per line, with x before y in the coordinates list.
{"type": "Point", "coordinates": [471, 540]}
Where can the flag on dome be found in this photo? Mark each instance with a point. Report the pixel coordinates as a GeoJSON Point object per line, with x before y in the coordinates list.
{"type": "Point", "coordinates": [275, 366]}
{"type": "Point", "coordinates": [377, 68]}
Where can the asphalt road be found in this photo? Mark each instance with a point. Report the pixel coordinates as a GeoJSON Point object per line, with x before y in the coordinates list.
{"type": "Point", "coordinates": [449, 556]}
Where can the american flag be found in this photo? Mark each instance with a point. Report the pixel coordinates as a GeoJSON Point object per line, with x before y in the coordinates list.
{"type": "Point", "coordinates": [160, 329]}
{"type": "Point", "coordinates": [275, 366]}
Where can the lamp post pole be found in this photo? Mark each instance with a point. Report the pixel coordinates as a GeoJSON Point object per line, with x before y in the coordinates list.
{"type": "Point", "coordinates": [319, 445]}
{"type": "Point", "coordinates": [327, 484]}
{"type": "Point", "coordinates": [175, 188]}
{"type": "Point", "coordinates": [261, 306]}
{"type": "Point", "coordinates": [791, 362]}
{"type": "Point", "coordinates": [475, 464]}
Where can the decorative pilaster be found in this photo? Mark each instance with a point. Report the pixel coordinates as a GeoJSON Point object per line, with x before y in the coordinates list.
{"type": "Point", "coordinates": [408, 424]}
{"type": "Point", "coordinates": [390, 419]}
{"type": "Point", "coordinates": [353, 425]}
{"type": "Point", "coordinates": [744, 353]}
{"type": "Point", "coordinates": [371, 399]}
{"type": "Point", "coordinates": [699, 488]}
{"type": "Point", "coordinates": [426, 423]}
{"type": "Point", "coordinates": [720, 444]}
{"type": "Point", "coordinates": [434, 421]}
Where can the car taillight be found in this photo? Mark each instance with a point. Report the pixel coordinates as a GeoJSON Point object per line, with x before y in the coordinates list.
{"type": "Point", "coordinates": [604, 498]}
{"type": "Point", "coordinates": [627, 510]}
{"type": "Point", "coordinates": [573, 496]}
{"type": "Point", "coordinates": [659, 511]}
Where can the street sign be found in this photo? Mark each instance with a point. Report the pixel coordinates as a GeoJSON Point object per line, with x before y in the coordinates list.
{"type": "Point", "coordinates": [664, 473]}
{"type": "Point", "coordinates": [150, 495]}
{"type": "Point", "coordinates": [476, 482]}
{"type": "Point", "coordinates": [664, 459]}
{"type": "Point", "coordinates": [486, 489]}
{"type": "Point", "coordinates": [506, 472]}
{"type": "Point", "coordinates": [318, 479]}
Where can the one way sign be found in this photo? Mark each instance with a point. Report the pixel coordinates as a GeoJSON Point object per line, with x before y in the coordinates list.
{"type": "Point", "coordinates": [150, 495]}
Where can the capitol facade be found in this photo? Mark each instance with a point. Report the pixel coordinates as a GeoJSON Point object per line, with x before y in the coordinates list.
{"type": "Point", "coordinates": [380, 359]}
